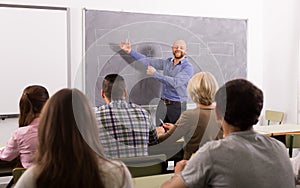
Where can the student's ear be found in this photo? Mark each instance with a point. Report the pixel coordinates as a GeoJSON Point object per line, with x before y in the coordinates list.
{"type": "Point", "coordinates": [125, 93]}
{"type": "Point", "coordinates": [102, 94]}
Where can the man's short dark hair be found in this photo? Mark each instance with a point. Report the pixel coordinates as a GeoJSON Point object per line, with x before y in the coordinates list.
{"type": "Point", "coordinates": [113, 86]}
{"type": "Point", "coordinates": [239, 103]}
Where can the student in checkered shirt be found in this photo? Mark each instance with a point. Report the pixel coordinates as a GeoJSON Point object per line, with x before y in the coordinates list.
{"type": "Point", "coordinates": [125, 129]}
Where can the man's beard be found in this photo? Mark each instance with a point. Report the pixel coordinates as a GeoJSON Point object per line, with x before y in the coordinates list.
{"type": "Point", "coordinates": [178, 57]}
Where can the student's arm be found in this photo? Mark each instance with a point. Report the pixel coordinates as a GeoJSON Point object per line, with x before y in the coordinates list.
{"type": "Point", "coordinates": [11, 150]}
{"type": "Point", "coordinates": [153, 137]}
{"type": "Point", "coordinates": [170, 130]}
{"type": "Point", "coordinates": [28, 178]}
{"type": "Point", "coordinates": [128, 183]}
{"type": "Point", "coordinates": [179, 129]}
{"type": "Point", "coordinates": [176, 181]}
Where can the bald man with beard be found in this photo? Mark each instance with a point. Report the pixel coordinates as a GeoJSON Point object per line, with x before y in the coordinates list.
{"type": "Point", "coordinates": [176, 72]}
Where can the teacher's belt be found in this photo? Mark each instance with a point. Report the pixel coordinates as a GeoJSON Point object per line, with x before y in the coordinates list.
{"type": "Point", "coordinates": [166, 101]}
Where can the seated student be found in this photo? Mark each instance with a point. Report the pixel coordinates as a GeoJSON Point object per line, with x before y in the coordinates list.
{"type": "Point", "coordinates": [125, 129]}
{"type": "Point", "coordinates": [198, 125]}
{"type": "Point", "coordinates": [69, 152]}
{"type": "Point", "coordinates": [23, 142]}
{"type": "Point", "coordinates": [243, 158]}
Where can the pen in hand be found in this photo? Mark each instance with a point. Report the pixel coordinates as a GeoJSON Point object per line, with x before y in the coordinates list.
{"type": "Point", "coordinates": [162, 124]}
{"type": "Point", "coordinates": [161, 121]}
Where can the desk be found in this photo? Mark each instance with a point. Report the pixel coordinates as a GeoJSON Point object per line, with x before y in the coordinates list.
{"type": "Point", "coordinates": [151, 181]}
{"type": "Point", "coordinates": [6, 167]}
{"type": "Point", "coordinates": [276, 130]}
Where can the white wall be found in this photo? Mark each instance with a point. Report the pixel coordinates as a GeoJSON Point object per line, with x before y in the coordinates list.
{"type": "Point", "coordinates": [273, 40]}
{"type": "Point", "coordinates": [281, 31]}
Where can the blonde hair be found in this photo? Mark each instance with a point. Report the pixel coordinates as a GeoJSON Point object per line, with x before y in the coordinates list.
{"type": "Point", "coordinates": [202, 88]}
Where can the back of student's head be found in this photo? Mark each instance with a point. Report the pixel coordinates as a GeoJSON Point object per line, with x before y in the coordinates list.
{"type": "Point", "coordinates": [239, 102]}
{"type": "Point", "coordinates": [113, 86]}
{"type": "Point", "coordinates": [68, 142]}
{"type": "Point", "coordinates": [202, 88]}
{"type": "Point", "coordinates": [31, 103]}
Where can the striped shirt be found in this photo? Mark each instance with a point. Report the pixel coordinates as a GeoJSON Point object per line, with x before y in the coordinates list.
{"type": "Point", "coordinates": [125, 129]}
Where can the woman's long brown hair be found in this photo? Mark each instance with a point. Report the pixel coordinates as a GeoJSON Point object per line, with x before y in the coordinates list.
{"type": "Point", "coordinates": [69, 147]}
{"type": "Point", "coordinates": [31, 103]}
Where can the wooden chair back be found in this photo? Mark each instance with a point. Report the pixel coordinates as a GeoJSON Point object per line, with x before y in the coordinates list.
{"type": "Point", "coordinates": [274, 116]}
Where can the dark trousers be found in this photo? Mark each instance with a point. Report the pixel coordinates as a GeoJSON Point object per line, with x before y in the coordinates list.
{"type": "Point", "coordinates": [169, 113]}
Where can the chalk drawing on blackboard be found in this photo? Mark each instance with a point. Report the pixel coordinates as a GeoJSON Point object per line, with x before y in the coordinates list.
{"type": "Point", "coordinates": [119, 35]}
{"type": "Point", "coordinates": [194, 49]}
{"type": "Point", "coordinates": [221, 48]}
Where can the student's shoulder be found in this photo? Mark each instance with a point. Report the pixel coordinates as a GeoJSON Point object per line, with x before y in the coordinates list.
{"type": "Point", "coordinates": [191, 111]}
{"type": "Point", "coordinates": [28, 178]}
{"type": "Point", "coordinates": [273, 141]}
{"type": "Point", "coordinates": [210, 150]}
{"type": "Point", "coordinates": [190, 114]}
{"type": "Point", "coordinates": [110, 163]}
{"type": "Point", "coordinates": [101, 108]}
{"type": "Point", "coordinates": [23, 131]}
{"type": "Point", "coordinates": [112, 167]}
{"type": "Point", "coordinates": [115, 173]}
{"type": "Point", "coordinates": [137, 106]}
{"type": "Point", "coordinates": [132, 104]}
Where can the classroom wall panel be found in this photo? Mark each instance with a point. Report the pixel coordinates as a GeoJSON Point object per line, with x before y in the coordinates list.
{"type": "Point", "coordinates": [34, 49]}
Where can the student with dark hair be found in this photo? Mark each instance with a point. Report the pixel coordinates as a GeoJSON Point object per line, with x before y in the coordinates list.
{"type": "Point", "coordinates": [23, 142]}
{"type": "Point", "coordinates": [125, 129]}
{"type": "Point", "coordinates": [69, 152]}
{"type": "Point", "coordinates": [243, 158]}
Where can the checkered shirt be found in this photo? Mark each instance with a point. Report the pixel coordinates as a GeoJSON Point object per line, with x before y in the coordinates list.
{"type": "Point", "coordinates": [125, 129]}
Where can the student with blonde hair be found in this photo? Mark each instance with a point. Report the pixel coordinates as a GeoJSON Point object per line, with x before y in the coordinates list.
{"type": "Point", "coordinates": [24, 141]}
{"type": "Point", "coordinates": [69, 152]}
{"type": "Point", "coordinates": [197, 125]}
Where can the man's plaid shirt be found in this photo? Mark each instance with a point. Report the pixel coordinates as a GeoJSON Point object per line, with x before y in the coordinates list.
{"type": "Point", "coordinates": [125, 129]}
